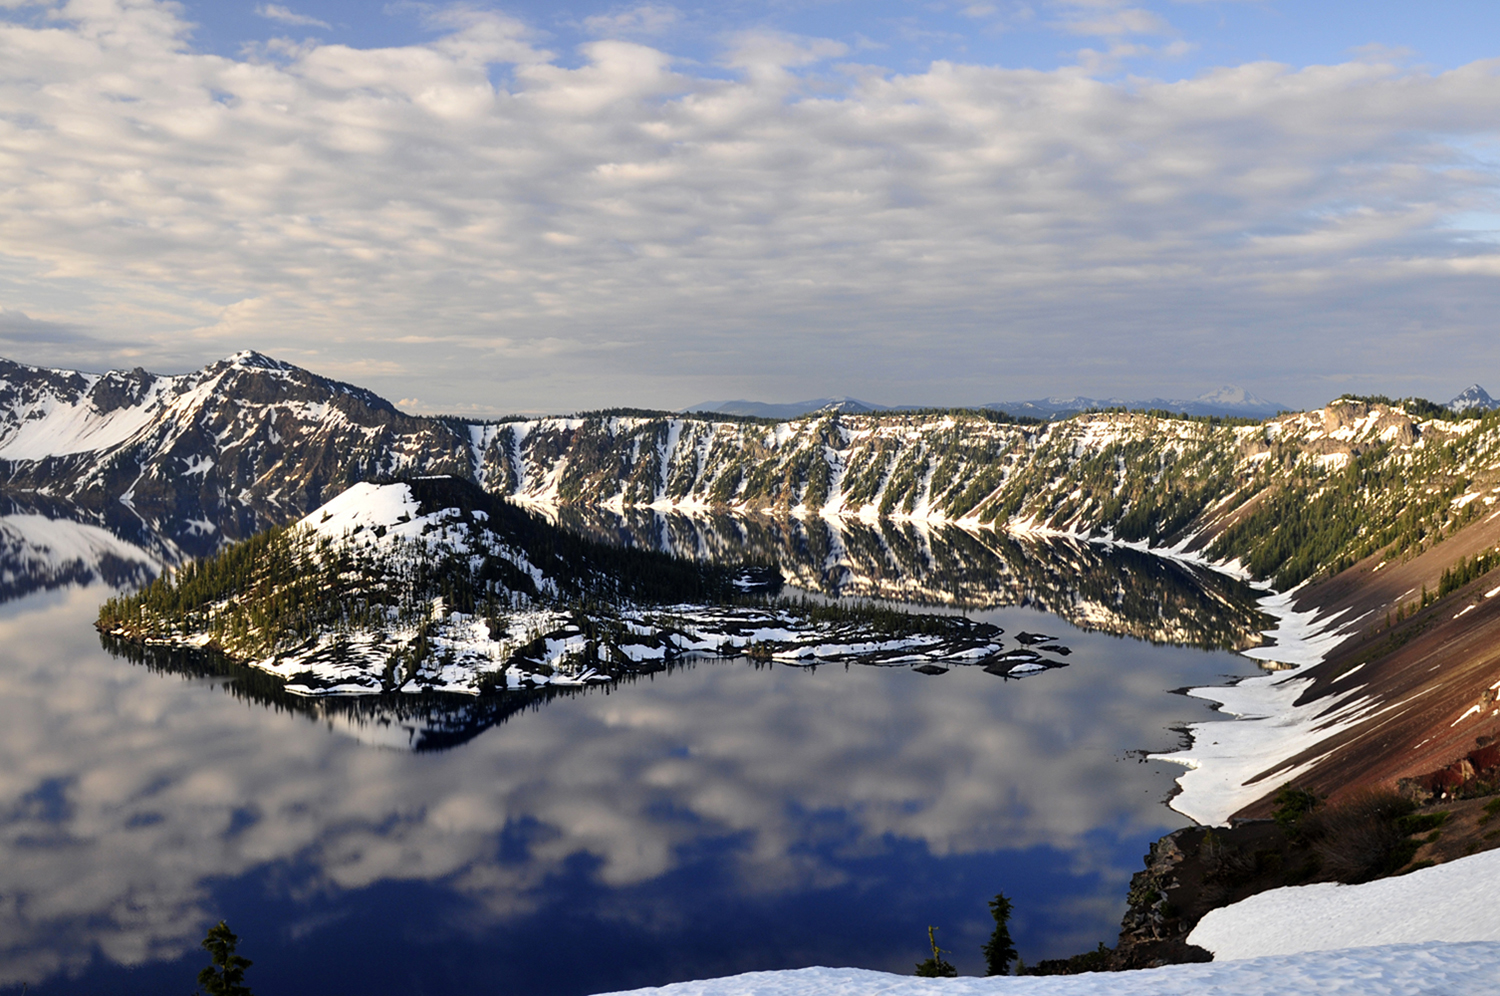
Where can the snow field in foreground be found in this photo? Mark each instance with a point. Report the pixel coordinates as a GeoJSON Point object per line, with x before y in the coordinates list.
{"type": "Point", "coordinates": [1448, 902]}
{"type": "Point", "coordinates": [1435, 931]}
{"type": "Point", "coordinates": [1471, 969]}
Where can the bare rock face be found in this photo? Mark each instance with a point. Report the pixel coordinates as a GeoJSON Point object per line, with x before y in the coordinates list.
{"type": "Point", "coordinates": [1158, 918]}
{"type": "Point", "coordinates": [1470, 775]}
{"type": "Point", "coordinates": [1359, 424]}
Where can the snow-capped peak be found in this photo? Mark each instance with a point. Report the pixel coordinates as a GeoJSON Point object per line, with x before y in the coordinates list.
{"type": "Point", "coordinates": [364, 505]}
{"type": "Point", "coordinates": [1230, 394]}
{"type": "Point", "coordinates": [1471, 398]}
{"type": "Point", "coordinates": [259, 361]}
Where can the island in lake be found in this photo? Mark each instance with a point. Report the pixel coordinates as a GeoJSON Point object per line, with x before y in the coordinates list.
{"type": "Point", "coordinates": [432, 585]}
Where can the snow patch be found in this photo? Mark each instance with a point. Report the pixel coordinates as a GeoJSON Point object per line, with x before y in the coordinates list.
{"type": "Point", "coordinates": [1447, 902]}
{"type": "Point", "coordinates": [363, 505]}
{"type": "Point", "coordinates": [1396, 970]}
{"type": "Point", "coordinates": [57, 428]}
{"type": "Point", "coordinates": [1267, 729]}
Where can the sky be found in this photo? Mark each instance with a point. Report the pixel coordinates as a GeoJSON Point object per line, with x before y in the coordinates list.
{"type": "Point", "coordinates": [486, 208]}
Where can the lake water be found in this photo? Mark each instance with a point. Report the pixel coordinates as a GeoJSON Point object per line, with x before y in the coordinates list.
{"type": "Point", "coordinates": [721, 817]}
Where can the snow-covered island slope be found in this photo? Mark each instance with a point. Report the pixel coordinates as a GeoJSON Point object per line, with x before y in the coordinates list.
{"type": "Point", "coordinates": [431, 585]}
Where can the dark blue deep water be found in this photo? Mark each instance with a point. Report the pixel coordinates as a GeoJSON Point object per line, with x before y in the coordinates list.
{"type": "Point", "coordinates": [720, 818]}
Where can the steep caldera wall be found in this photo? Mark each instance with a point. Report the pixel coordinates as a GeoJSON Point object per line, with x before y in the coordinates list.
{"type": "Point", "coordinates": [1286, 498]}
{"type": "Point", "coordinates": [250, 441]}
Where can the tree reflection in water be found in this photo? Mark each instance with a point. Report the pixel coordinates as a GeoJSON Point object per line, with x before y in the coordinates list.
{"type": "Point", "coordinates": [1110, 588]}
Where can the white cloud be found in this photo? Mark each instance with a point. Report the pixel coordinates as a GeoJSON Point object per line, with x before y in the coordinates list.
{"type": "Point", "coordinates": [646, 19]}
{"type": "Point", "coordinates": [772, 50]}
{"type": "Point", "coordinates": [1109, 18]}
{"type": "Point", "coordinates": [761, 227]}
{"type": "Point", "coordinates": [1119, 52]}
{"type": "Point", "coordinates": [284, 15]}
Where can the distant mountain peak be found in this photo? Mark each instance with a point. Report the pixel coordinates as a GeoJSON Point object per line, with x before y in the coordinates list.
{"type": "Point", "coordinates": [1228, 400]}
{"type": "Point", "coordinates": [791, 409]}
{"type": "Point", "coordinates": [1231, 394]}
{"type": "Point", "coordinates": [1473, 398]}
{"type": "Point", "coordinates": [259, 361]}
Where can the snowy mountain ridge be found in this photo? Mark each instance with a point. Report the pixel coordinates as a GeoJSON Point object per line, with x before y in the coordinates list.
{"type": "Point", "coordinates": [244, 443]}
{"type": "Point", "coordinates": [249, 442]}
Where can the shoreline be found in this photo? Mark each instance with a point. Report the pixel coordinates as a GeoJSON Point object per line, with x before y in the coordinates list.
{"type": "Point", "coordinates": [1266, 725]}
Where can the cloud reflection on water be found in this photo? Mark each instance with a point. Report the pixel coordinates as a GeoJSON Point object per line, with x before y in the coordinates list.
{"type": "Point", "coordinates": [126, 794]}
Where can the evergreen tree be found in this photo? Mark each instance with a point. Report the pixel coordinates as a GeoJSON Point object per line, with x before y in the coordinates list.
{"type": "Point", "coordinates": [227, 977]}
{"type": "Point", "coordinates": [999, 950]}
{"type": "Point", "coordinates": [1292, 807]}
{"type": "Point", "coordinates": [935, 967]}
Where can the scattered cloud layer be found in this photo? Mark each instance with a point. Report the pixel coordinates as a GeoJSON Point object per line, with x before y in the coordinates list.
{"type": "Point", "coordinates": [478, 220]}
{"type": "Point", "coordinates": [644, 19]}
{"type": "Point", "coordinates": [1110, 18]}
{"type": "Point", "coordinates": [19, 328]}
